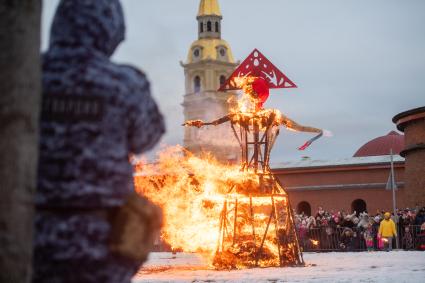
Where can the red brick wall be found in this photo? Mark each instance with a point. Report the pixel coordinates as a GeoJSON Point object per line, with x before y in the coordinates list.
{"type": "Point", "coordinates": [338, 199]}
{"type": "Point", "coordinates": [376, 199]}
{"type": "Point", "coordinates": [415, 174]}
{"type": "Point", "coordinates": [414, 132]}
{"type": "Point", "coordinates": [415, 162]}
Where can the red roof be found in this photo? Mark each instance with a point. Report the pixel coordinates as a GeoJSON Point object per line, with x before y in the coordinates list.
{"type": "Point", "coordinates": [382, 145]}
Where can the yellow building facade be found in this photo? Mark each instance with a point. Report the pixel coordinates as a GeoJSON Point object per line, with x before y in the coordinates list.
{"type": "Point", "coordinates": [209, 62]}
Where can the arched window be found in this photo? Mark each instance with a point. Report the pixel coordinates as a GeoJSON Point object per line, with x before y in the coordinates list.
{"type": "Point", "coordinates": [201, 26]}
{"type": "Point", "coordinates": [358, 206]}
{"type": "Point", "coordinates": [208, 26]}
{"type": "Point", "coordinates": [222, 80]}
{"type": "Point", "coordinates": [304, 207]}
{"type": "Point", "coordinates": [197, 84]}
{"type": "Point", "coordinates": [216, 27]}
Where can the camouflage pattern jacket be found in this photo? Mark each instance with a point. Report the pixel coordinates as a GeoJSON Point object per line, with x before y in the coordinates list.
{"type": "Point", "coordinates": [95, 115]}
{"type": "Point", "coordinates": [95, 112]}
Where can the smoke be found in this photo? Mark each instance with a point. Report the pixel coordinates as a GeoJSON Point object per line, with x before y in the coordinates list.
{"type": "Point", "coordinates": [218, 138]}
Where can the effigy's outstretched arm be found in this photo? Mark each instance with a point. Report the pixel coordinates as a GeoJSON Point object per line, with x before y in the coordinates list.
{"type": "Point", "coordinates": [292, 125]}
{"type": "Point", "coordinates": [200, 123]}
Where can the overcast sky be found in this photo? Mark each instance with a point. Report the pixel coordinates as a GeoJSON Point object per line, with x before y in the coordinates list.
{"type": "Point", "coordinates": [357, 63]}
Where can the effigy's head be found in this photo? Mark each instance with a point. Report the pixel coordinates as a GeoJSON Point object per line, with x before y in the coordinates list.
{"type": "Point", "coordinates": [255, 89]}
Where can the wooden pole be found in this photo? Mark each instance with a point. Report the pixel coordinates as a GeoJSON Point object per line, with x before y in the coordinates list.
{"type": "Point", "coordinates": [235, 221]}
{"type": "Point", "coordinates": [252, 223]}
{"type": "Point", "coordinates": [220, 229]}
{"type": "Point", "coordinates": [264, 238]}
{"type": "Point", "coordinates": [224, 224]}
{"type": "Point", "coordinates": [276, 230]}
{"type": "Point", "coordinates": [256, 145]}
{"type": "Point", "coordinates": [266, 152]}
{"type": "Point", "coordinates": [245, 148]}
{"type": "Point", "coordinates": [297, 244]}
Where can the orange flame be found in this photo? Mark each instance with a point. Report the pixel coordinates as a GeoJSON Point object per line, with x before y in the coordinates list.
{"type": "Point", "coordinates": [191, 191]}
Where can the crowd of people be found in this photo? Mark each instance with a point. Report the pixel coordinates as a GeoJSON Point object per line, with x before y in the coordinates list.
{"type": "Point", "coordinates": [332, 230]}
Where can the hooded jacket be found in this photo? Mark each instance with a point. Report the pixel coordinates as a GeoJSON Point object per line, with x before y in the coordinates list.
{"type": "Point", "coordinates": [95, 113]}
{"type": "Point", "coordinates": [387, 228]}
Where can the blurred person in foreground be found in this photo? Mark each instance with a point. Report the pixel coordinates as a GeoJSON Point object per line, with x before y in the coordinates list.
{"type": "Point", "coordinates": [90, 226]}
{"type": "Point", "coordinates": [387, 231]}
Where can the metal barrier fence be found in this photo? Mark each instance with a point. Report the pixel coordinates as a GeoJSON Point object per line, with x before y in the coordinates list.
{"type": "Point", "coordinates": [326, 239]}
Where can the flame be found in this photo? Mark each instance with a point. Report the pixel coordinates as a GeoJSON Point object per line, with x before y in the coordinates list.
{"type": "Point", "coordinates": [191, 192]}
{"type": "Point", "coordinates": [247, 100]}
{"type": "Point", "coordinates": [314, 242]}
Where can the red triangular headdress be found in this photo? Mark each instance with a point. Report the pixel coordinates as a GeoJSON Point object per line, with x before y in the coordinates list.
{"type": "Point", "coordinates": [257, 65]}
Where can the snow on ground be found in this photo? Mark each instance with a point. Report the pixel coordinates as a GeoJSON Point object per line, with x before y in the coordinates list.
{"type": "Point", "coordinates": [395, 266]}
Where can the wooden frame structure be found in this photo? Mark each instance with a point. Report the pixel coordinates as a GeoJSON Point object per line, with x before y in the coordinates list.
{"type": "Point", "coordinates": [241, 240]}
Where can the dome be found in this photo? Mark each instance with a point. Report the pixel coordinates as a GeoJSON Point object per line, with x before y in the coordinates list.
{"type": "Point", "coordinates": [382, 145]}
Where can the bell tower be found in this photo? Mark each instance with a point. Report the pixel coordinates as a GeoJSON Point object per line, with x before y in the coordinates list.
{"type": "Point", "coordinates": [209, 62]}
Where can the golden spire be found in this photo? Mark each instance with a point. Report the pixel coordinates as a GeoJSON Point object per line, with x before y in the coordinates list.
{"type": "Point", "coordinates": [209, 7]}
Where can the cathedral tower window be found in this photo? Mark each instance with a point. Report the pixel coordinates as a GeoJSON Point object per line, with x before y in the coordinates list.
{"type": "Point", "coordinates": [222, 80]}
{"type": "Point", "coordinates": [209, 26]}
{"type": "Point", "coordinates": [196, 53]}
{"type": "Point", "coordinates": [201, 27]}
{"type": "Point", "coordinates": [197, 84]}
{"type": "Point", "coordinates": [216, 27]}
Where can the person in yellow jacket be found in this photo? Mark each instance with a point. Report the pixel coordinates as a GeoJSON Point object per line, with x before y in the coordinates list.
{"type": "Point", "coordinates": [387, 231]}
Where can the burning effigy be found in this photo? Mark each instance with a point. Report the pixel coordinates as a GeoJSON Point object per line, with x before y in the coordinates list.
{"type": "Point", "coordinates": [238, 216]}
